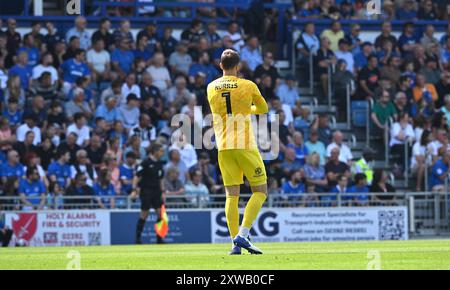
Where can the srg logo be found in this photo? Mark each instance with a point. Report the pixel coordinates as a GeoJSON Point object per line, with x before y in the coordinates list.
{"type": "Point", "coordinates": [73, 7]}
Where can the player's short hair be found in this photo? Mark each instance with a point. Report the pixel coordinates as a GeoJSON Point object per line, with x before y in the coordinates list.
{"type": "Point", "coordinates": [155, 147]}
{"type": "Point", "coordinates": [230, 59]}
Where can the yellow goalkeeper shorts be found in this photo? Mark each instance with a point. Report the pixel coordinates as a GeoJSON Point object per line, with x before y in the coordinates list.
{"type": "Point", "coordinates": [236, 163]}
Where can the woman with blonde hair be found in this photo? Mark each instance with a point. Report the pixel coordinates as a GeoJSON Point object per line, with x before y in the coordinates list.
{"type": "Point", "coordinates": [14, 90]}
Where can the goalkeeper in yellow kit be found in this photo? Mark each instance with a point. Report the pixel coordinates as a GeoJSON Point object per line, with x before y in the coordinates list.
{"type": "Point", "coordinates": [233, 100]}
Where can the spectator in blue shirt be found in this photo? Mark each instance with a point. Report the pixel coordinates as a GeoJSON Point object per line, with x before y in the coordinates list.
{"type": "Point", "coordinates": [288, 91]}
{"type": "Point", "coordinates": [250, 53]}
{"type": "Point", "coordinates": [445, 36]}
{"type": "Point", "coordinates": [362, 57]}
{"type": "Point", "coordinates": [407, 12]}
{"type": "Point", "coordinates": [31, 50]}
{"type": "Point", "coordinates": [143, 50]}
{"type": "Point", "coordinates": [408, 40]}
{"type": "Point", "coordinates": [293, 187]}
{"type": "Point", "coordinates": [122, 58]}
{"type": "Point", "coordinates": [104, 190]}
{"type": "Point", "coordinates": [22, 70]}
{"type": "Point", "coordinates": [74, 69]}
{"type": "Point", "coordinates": [299, 147]}
{"type": "Point", "coordinates": [127, 173]}
{"type": "Point", "coordinates": [81, 32]}
{"type": "Point", "coordinates": [440, 173]}
{"type": "Point", "coordinates": [32, 190]}
{"type": "Point", "coordinates": [59, 170]}
{"type": "Point", "coordinates": [108, 110]}
{"type": "Point", "coordinates": [341, 189]}
{"type": "Point", "coordinates": [205, 67]}
{"type": "Point", "coordinates": [360, 191]}
{"type": "Point", "coordinates": [12, 167]}
{"type": "Point", "coordinates": [12, 113]}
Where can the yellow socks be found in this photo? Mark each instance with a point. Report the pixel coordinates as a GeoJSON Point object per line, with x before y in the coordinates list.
{"type": "Point", "coordinates": [232, 214]}
{"type": "Point", "coordinates": [252, 209]}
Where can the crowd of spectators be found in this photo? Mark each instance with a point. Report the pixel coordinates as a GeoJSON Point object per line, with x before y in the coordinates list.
{"type": "Point", "coordinates": [79, 109]}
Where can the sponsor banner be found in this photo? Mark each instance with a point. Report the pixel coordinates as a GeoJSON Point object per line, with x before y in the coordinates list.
{"type": "Point", "coordinates": [320, 225]}
{"type": "Point", "coordinates": [60, 228]}
{"type": "Point", "coordinates": [184, 227]}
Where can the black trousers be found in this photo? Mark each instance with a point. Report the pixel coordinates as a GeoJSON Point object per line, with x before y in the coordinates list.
{"type": "Point", "coordinates": [5, 237]}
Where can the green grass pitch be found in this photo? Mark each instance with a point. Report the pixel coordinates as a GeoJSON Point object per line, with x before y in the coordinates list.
{"type": "Point", "coordinates": [423, 254]}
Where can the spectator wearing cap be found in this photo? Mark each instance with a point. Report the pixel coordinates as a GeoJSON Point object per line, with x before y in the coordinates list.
{"type": "Point", "coordinates": [122, 58]}
{"type": "Point", "coordinates": [344, 53]}
{"type": "Point", "coordinates": [99, 61]}
{"type": "Point", "coordinates": [108, 110]}
{"type": "Point", "coordinates": [288, 91]}
{"type": "Point", "coordinates": [104, 34]}
{"type": "Point", "coordinates": [267, 68]}
{"type": "Point", "coordinates": [78, 105]}
{"type": "Point", "coordinates": [80, 128]}
{"type": "Point", "coordinates": [203, 65]}
{"type": "Point", "coordinates": [251, 53]}
{"type": "Point", "coordinates": [81, 32]}
{"type": "Point", "coordinates": [160, 74]}
{"type": "Point", "coordinates": [30, 121]}
{"type": "Point", "coordinates": [46, 66]}
{"type": "Point", "coordinates": [22, 70]}
{"type": "Point", "coordinates": [314, 145]}
{"type": "Point", "coordinates": [129, 114]}
{"type": "Point", "coordinates": [180, 61]}
{"type": "Point", "coordinates": [129, 87]}
{"type": "Point", "coordinates": [334, 34]}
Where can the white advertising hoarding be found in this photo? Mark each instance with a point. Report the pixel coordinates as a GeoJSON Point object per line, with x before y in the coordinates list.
{"type": "Point", "coordinates": [61, 228]}
{"type": "Point", "coordinates": [320, 225]}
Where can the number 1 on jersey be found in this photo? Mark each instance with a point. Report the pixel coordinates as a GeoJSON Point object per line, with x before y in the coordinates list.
{"type": "Point", "coordinates": [227, 96]}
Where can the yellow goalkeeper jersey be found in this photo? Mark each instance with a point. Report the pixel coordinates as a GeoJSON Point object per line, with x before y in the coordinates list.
{"type": "Point", "coordinates": [233, 100]}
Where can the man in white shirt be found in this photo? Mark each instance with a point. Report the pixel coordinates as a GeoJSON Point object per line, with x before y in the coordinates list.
{"type": "Point", "coordinates": [130, 87]}
{"type": "Point", "coordinates": [46, 66]}
{"type": "Point", "coordinates": [79, 127]}
{"type": "Point", "coordinates": [345, 155]}
{"type": "Point", "coordinates": [29, 125]}
{"type": "Point", "coordinates": [345, 54]}
{"type": "Point", "coordinates": [235, 36]}
{"type": "Point", "coordinates": [99, 60]}
{"type": "Point", "coordinates": [160, 74]}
